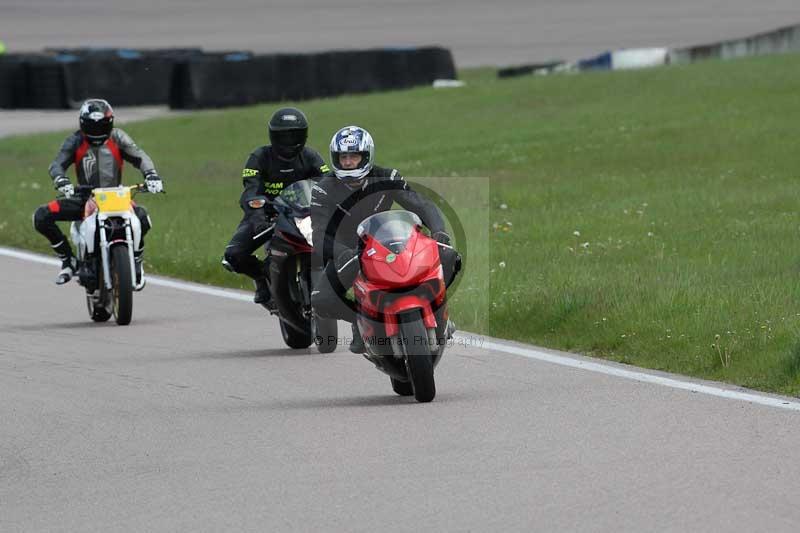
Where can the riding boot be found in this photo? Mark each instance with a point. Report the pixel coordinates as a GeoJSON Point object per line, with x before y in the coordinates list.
{"type": "Point", "coordinates": [69, 264]}
{"type": "Point", "coordinates": [263, 295]}
{"type": "Point", "coordinates": [138, 265]}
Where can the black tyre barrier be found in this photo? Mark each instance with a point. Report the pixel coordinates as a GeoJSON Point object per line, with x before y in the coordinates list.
{"type": "Point", "coordinates": [129, 82]}
{"type": "Point", "coordinates": [296, 76]}
{"type": "Point", "coordinates": [219, 82]}
{"type": "Point", "coordinates": [126, 53]}
{"type": "Point", "coordinates": [326, 74]}
{"type": "Point", "coordinates": [523, 70]}
{"type": "Point", "coordinates": [187, 78]}
{"type": "Point", "coordinates": [347, 72]}
{"type": "Point", "coordinates": [431, 63]}
{"type": "Point", "coordinates": [393, 69]}
{"type": "Point", "coordinates": [13, 75]}
{"type": "Point", "coordinates": [45, 84]}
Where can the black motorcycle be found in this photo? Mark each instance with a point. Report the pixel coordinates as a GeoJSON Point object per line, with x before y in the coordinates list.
{"type": "Point", "coordinates": [289, 272]}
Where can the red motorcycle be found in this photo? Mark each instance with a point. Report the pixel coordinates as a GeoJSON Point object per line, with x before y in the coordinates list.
{"type": "Point", "coordinates": [401, 301]}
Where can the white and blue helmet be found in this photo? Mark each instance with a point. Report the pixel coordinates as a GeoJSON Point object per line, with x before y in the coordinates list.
{"type": "Point", "coordinates": [352, 139]}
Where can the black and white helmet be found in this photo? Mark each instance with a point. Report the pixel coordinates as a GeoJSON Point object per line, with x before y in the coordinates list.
{"type": "Point", "coordinates": [352, 139]}
{"type": "Point", "coordinates": [97, 120]}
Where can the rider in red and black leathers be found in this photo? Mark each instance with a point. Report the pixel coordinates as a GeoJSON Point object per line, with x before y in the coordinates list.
{"type": "Point", "coordinates": [98, 151]}
{"type": "Point", "coordinates": [268, 170]}
{"type": "Point", "coordinates": [341, 202]}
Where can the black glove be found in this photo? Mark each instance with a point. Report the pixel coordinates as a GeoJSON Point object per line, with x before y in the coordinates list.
{"type": "Point", "coordinates": [259, 224]}
{"type": "Point", "coordinates": [64, 186]}
{"type": "Point", "coordinates": [441, 237]}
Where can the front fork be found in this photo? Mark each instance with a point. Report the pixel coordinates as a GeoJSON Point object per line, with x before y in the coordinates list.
{"type": "Point", "coordinates": [104, 253]}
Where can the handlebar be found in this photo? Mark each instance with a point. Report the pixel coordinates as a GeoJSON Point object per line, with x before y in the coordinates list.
{"type": "Point", "coordinates": [86, 190]}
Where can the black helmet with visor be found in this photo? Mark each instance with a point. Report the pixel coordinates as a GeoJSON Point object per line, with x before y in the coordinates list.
{"type": "Point", "coordinates": [288, 132]}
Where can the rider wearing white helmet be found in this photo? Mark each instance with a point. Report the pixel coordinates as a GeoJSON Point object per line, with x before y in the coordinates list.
{"type": "Point", "coordinates": [339, 203]}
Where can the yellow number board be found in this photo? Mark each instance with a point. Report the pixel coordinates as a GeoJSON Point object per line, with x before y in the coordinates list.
{"type": "Point", "coordinates": [113, 200]}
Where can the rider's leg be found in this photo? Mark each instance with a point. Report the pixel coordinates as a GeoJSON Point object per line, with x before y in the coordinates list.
{"type": "Point", "coordinates": [451, 266]}
{"type": "Point", "coordinates": [329, 298]}
{"type": "Point", "coordinates": [239, 258]}
{"type": "Point", "coordinates": [44, 221]}
{"type": "Point", "coordinates": [138, 253]}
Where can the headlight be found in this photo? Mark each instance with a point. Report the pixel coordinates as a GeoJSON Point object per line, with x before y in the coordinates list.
{"type": "Point", "coordinates": [304, 225]}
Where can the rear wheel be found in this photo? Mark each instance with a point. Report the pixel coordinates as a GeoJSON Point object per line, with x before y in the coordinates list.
{"type": "Point", "coordinates": [419, 361]}
{"type": "Point", "coordinates": [121, 285]}
{"type": "Point", "coordinates": [326, 334]}
{"type": "Point", "coordinates": [294, 338]}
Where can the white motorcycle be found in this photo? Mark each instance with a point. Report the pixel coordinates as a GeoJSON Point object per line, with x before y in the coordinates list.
{"type": "Point", "coordinates": [106, 239]}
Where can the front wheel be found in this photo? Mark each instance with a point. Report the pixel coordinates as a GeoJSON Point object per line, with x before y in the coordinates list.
{"type": "Point", "coordinates": [418, 358]}
{"type": "Point", "coordinates": [121, 284]}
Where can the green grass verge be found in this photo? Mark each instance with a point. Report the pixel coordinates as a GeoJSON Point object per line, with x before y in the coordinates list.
{"type": "Point", "coordinates": [679, 182]}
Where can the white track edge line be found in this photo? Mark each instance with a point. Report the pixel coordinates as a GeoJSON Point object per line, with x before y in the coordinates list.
{"type": "Point", "coordinates": [528, 353]}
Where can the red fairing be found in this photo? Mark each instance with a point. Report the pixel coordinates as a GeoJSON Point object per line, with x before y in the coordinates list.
{"type": "Point", "coordinates": [301, 246]}
{"type": "Point", "coordinates": [417, 262]}
{"type": "Point", "coordinates": [407, 303]}
{"type": "Point", "coordinates": [416, 269]}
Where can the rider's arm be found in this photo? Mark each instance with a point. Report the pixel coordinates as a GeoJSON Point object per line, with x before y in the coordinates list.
{"type": "Point", "coordinates": [132, 153]}
{"type": "Point", "coordinates": [410, 200]}
{"type": "Point", "coordinates": [65, 157]}
{"type": "Point", "coordinates": [253, 183]}
{"type": "Point", "coordinates": [315, 166]}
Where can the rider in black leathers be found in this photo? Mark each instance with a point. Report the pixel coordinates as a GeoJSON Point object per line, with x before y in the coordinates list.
{"type": "Point", "coordinates": [268, 170]}
{"type": "Point", "coordinates": [340, 202]}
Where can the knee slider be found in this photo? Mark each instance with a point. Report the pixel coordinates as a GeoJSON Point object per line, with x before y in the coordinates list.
{"type": "Point", "coordinates": [231, 262]}
{"type": "Point", "coordinates": [41, 217]}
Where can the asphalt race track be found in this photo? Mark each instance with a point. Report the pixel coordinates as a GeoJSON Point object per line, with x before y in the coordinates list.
{"type": "Point", "coordinates": [25, 121]}
{"type": "Point", "coordinates": [478, 32]}
{"type": "Point", "coordinates": [195, 418]}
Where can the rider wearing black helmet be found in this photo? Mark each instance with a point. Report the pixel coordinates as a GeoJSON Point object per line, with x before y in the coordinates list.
{"type": "Point", "coordinates": [98, 151]}
{"type": "Point", "coordinates": [268, 170]}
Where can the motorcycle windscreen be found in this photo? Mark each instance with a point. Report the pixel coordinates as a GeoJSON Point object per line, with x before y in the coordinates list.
{"type": "Point", "coordinates": [296, 197]}
{"type": "Point", "coordinates": [391, 229]}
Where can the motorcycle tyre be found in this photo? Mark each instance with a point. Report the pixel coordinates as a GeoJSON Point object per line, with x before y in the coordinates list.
{"type": "Point", "coordinates": [121, 285]}
{"type": "Point", "coordinates": [326, 329]}
{"type": "Point", "coordinates": [296, 339]}
{"type": "Point", "coordinates": [418, 359]}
